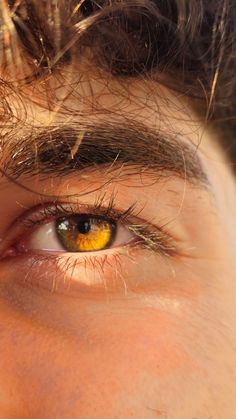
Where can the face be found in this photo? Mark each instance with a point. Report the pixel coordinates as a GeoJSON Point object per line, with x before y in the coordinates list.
{"type": "Point", "coordinates": [117, 270]}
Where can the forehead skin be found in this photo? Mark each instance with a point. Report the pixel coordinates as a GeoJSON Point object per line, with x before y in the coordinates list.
{"type": "Point", "coordinates": [167, 352]}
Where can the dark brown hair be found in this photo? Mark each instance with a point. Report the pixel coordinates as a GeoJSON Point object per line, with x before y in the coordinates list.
{"type": "Point", "coordinates": [189, 45]}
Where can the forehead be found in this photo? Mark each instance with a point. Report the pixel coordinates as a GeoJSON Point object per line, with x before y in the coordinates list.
{"type": "Point", "coordinates": [85, 92]}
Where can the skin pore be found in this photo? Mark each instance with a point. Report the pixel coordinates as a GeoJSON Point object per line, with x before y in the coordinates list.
{"type": "Point", "coordinates": [140, 332]}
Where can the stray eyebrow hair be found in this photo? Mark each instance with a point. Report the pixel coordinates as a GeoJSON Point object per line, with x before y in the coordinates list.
{"type": "Point", "coordinates": [62, 149]}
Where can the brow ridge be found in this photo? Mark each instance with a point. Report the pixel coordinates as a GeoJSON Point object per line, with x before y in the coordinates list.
{"type": "Point", "coordinates": [62, 149]}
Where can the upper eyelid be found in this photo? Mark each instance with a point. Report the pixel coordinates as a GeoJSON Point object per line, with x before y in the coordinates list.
{"type": "Point", "coordinates": [56, 210]}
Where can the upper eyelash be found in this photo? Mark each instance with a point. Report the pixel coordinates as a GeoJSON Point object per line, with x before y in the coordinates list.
{"type": "Point", "coordinates": [56, 210]}
{"type": "Point", "coordinates": [148, 237]}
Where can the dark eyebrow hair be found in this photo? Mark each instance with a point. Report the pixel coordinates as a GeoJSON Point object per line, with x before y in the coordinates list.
{"type": "Point", "coordinates": [61, 149]}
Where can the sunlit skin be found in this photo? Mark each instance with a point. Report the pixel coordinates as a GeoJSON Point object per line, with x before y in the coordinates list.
{"type": "Point", "coordinates": [153, 336]}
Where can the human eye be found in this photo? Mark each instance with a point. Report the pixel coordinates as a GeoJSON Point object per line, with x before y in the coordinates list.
{"type": "Point", "coordinates": [67, 247]}
{"type": "Point", "coordinates": [85, 233]}
{"type": "Point", "coordinates": [77, 233]}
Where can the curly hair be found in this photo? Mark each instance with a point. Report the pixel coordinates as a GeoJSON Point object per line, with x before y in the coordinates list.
{"type": "Point", "coordinates": [190, 46]}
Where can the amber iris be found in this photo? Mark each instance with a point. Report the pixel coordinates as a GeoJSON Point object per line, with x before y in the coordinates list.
{"type": "Point", "coordinates": [85, 233]}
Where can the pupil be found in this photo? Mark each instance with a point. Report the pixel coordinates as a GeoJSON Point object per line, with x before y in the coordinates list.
{"type": "Point", "coordinates": [84, 227]}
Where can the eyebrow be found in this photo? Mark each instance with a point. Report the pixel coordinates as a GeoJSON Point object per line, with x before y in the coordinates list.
{"type": "Point", "coordinates": [62, 149]}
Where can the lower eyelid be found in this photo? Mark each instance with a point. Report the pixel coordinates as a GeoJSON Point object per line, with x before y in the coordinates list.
{"type": "Point", "coordinates": [82, 277]}
{"type": "Point", "coordinates": [115, 271]}
{"type": "Point", "coordinates": [69, 274]}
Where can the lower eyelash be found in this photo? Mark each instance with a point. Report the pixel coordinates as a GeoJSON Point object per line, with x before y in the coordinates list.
{"type": "Point", "coordinates": [62, 282]}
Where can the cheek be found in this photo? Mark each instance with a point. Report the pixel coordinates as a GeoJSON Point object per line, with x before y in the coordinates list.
{"type": "Point", "coordinates": [169, 348]}
{"type": "Point", "coordinates": [115, 358]}
{"type": "Point", "coordinates": [118, 354]}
